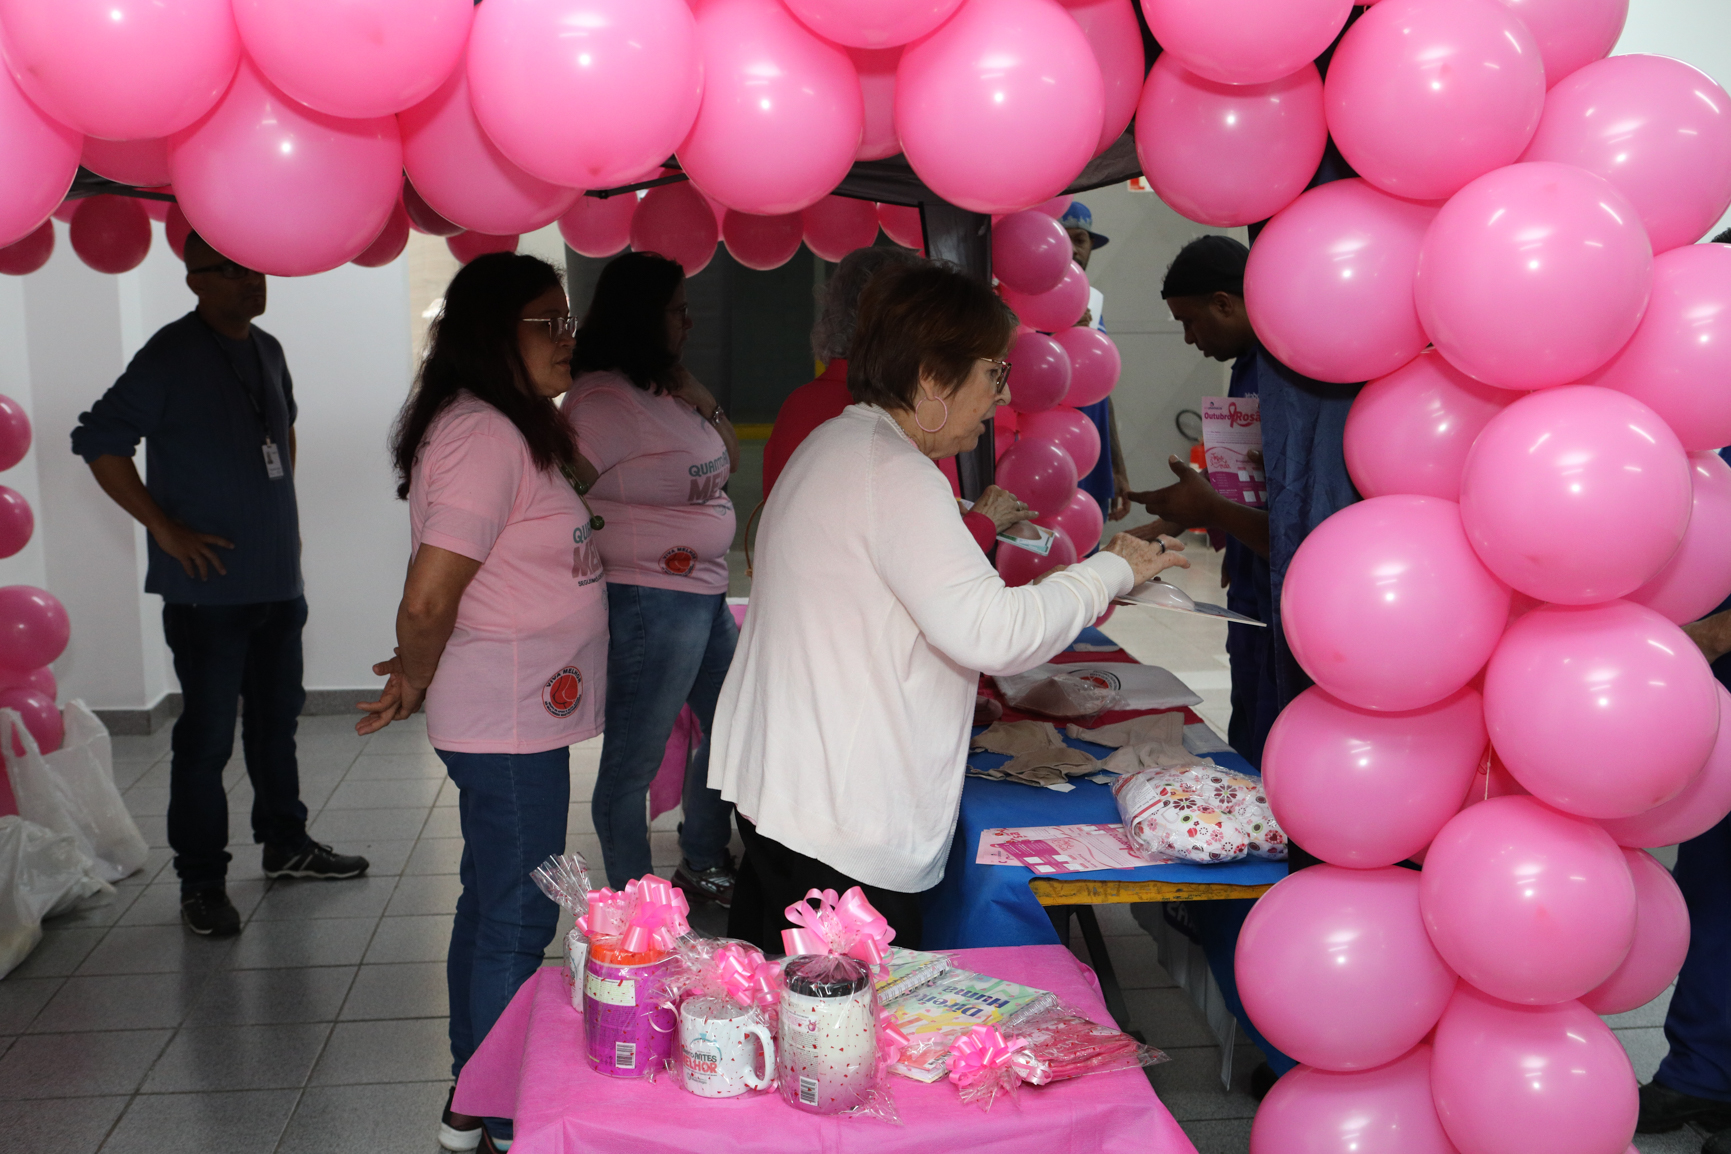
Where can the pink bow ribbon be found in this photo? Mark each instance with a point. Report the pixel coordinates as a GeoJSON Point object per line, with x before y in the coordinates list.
{"type": "Point", "coordinates": [979, 1051]}
{"type": "Point", "coordinates": [892, 1039]}
{"type": "Point", "coordinates": [746, 976]}
{"type": "Point", "coordinates": [648, 915]}
{"type": "Point", "coordinates": [846, 926]}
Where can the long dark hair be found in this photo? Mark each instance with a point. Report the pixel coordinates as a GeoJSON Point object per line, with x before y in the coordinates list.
{"type": "Point", "coordinates": [625, 330]}
{"type": "Point", "coordinates": [474, 346]}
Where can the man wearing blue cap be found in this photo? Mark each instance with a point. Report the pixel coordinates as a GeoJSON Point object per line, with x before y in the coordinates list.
{"type": "Point", "coordinates": [1107, 483]}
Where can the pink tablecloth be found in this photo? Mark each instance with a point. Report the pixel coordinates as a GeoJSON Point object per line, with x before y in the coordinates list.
{"type": "Point", "coordinates": [531, 1068]}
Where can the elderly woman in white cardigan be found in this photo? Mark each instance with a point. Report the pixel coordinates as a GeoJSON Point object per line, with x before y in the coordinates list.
{"type": "Point", "coordinates": [842, 730]}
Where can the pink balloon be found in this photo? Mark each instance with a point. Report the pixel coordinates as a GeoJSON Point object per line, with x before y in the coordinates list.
{"type": "Point", "coordinates": [1405, 774]}
{"type": "Point", "coordinates": [902, 225]}
{"type": "Point", "coordinates": [157, 210]}
{"type": "Point", "coordinates": [1040, 373]}
{"type": "Point", "coordinates": [599, 226]}
{"type": "Point", "coordinates": [465, 177]}
{"type": "Point", "coordinates": [1038, 472]}
{"type": "Point", "coordinates": [1055, 207]}
{"type": "Point", "coordinates": [1019, 566]}
{"type": "Point", "coordinates": [283, 189]}
{"type": "Point", "coordinates": [1571, 33]}
{"type": "Point", "coordinates": [1245, 41]}
{"type": "Point", "coordinates": [63, 213]}
{"type": "Point", "coordinates": [1054, 311]}
{"type": "Point", "coordinates": [1424, 96]}
{"type": "Point", "coordinates": [40, 680]}
{"type": "Point", "coordinates": [1547, 472]}
{"type": "Point", "coordinates": [1555, 237]}
{"type": "Point", "coordinates": [1002, 107]}
{"type": "Point", "coordinates": [1702, 804]}
{"type": "Point", "coordinates": [1387, 1110]}
{"type": "Point", "coordinates": [121, 69]}
{"type": "Point", "coordinates": [140, 163]}
{"type": "Point", "coordinates": [1528, 904]}
{"type": "Point", "coordinates": [1336, 970]}
{"type": "Point", "coordinates": [1409, 432]}
{"type": "Point", "coordinates": [41, 160]}
{"type": "Point", "coordinates": [836, 225]}
{"type": "Point", "coordinates": [356, 58]}
{"type": "Point", "coordinates": [1698, 576]}
{"type": "Point", "coordinates": [1682, 347]}
{"type": "Point", "coordinates": [1030, 252]}
{"type": "Point", "coordinates": [1603, 710]}
{"type": "Point", "coordinates": [877, 82]}
{"type": "Point", "coordinates": [422, 218]}
{"type": "Point", "coordinates": [17, 522]}
{"type": "Point", "coordinates": [1530, 1080]}
{"type": "Point", "coordinates": [1071, 431]}
{"type": "Point", "coordinates": [1002, 439]}
{"type": "Point", "coordinates": [634, 68]}
{"type": "Point", "coordinates": [110, 233]}
{"type": "Point", "coordinates": [763, 242]}
{"type": "Point", "coordinates": [1386, 606]}
{"type": "Point", "coordinates": [1229, 154]}
{"type": "Point", "coordinates": [41, 718]}
{"type": "Point", "coordinates": [1115, 36]}
{"type": "Point", "coordinates": [1081, 520]}
{"type": "Point", "coordinates": [390, 243]}
{"type": "Point", "coordinates": [674, 220]}
{"type": "Point", "coordinates": [782, 115]}
{"type": "Point", "coordinates": [1329, 283]}
{"type": "Point", "coordinates": [175, 229]}
{"type": "Point", "coordinates": [14, 434]}
{"type": "Point", "coordinates": [1661, 940]}
{"type": "Point", "coordinates": [1658, 130]}
{"type": "Point", "coordinates": [879, 24]}
{"type": "Point", "coordinates": [33, 627]}
{"type": "Point", "coordinates": [22, 257]}
{"type": "Point", "coordinates": [466, 246]}
{"type": "Point", "coordinates": [1095, 364]}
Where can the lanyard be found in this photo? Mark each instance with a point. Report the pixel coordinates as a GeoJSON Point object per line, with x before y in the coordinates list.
{"type": "Point", "coordinates": [596, 521]}
{"type": "Point", "coordinates": [273, 466]}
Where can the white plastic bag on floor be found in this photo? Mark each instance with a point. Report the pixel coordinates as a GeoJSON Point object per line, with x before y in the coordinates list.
{"type": "Point", "coordinates": [42, 873]}
{"type": "Point", "coordinates": [71, 790]}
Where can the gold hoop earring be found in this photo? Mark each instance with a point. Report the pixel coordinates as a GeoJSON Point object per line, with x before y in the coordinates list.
{"type": "Point", "coordinates": [922, 425]}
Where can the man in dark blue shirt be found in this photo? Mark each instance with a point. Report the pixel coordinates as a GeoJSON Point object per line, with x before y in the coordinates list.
{"type": "Point", "coordinates": [212, 398]}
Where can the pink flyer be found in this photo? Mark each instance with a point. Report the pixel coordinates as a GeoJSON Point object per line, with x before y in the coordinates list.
{"type": "Point", "coordinates": [1063, 849]}
{"type": "Point", "coordinates": [1231, 428]}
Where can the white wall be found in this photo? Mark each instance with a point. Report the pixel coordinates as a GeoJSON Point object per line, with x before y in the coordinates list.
{"type": "Point", "coordinates": [66, 332]}
{"type": "Point", "coordinates": [1697, 32]}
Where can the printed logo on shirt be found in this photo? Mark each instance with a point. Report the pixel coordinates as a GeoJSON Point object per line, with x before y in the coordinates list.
{"type": "Point", "coordinates": [563, 691]}
{"type": "Point", "coordinates": [585, 558]}
{"type": "Point", "coordinates": [707, 481]}
{"type": "Point", "coordinates": [679, 560]}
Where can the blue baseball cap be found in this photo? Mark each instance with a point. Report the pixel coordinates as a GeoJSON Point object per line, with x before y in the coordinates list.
{"type": "Point", "coordinates": [1078, 216]}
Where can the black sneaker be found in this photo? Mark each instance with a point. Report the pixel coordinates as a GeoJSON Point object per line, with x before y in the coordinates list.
{"type": "Point", "coordinates": [710, 885]}
{"type": "Point", "coordinates": [208, 912]}
{"type": "Point", "coordinates": [1664, 1109]}
{"type": "Point", "coordinates": [312, 860]}
{"type": "Point", "coordinates": [1262, 1080]}
{"type": "Point", "coordinates": [458, 1133]}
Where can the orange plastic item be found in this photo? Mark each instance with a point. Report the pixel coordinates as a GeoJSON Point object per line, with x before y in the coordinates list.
{"type": "Point", "coordinates": [610, 953]}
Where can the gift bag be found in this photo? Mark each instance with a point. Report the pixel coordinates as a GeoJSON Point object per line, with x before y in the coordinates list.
{"type": "Point", "coordinates": [42, 873]}
{"type": "Point", "coordinates": [71, 791]}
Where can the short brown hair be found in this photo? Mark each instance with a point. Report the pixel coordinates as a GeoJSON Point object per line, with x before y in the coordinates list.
{"type": "Point", "coordinates": [932, 317]}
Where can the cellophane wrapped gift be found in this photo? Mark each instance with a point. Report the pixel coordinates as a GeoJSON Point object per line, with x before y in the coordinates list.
{"type": "Point", "coordinates": [1055, 695]}
{"type": "Point", "coordinates": [565, 879]}
{"type": "Point", "coordinates": [729, 998]}
{"type": "Point", "coordinates": [979, 1065]}
{"type": "Point", "coordinates": [1199, 814]}
{"type": "Point", "coordinates": [1061, 1043]}
{"type": "Point", "coordinates": [835, 1043]}
{"type": "Point", "coordinates": [630, 1020]}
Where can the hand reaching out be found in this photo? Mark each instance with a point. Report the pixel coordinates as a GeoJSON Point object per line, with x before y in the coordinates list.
{"type": "Point", "coordinates": [1192, 502]}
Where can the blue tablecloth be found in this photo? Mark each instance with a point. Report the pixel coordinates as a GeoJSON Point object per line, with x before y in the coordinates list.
{"type": "Point", "coordinates": [986, 905]}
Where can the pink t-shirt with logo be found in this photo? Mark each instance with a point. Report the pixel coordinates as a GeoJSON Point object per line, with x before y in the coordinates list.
{"type": "Point", "coordinates": [662, 466]}
{"type": "Point", "coordinates": [525, 670]}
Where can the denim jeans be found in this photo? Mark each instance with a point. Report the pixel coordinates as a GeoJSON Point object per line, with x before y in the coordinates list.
{"type": "Point", "coordinates": [512, 808]}
{"type": "Point", "coordinates": [1698, 1024]}
{"type": "Point", "coordinates": [667, 648]}
{"type": "Point", "coordinates": [223, 653]}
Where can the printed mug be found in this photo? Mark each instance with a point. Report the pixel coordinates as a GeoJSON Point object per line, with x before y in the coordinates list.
{"type": "Point", "coordinates": [628, 1025]}
{"type": "Point", "coordinates": [718, 1057]}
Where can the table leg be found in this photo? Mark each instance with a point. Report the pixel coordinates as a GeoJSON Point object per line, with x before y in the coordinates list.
{"type": "Point", "coordinates": [1096, 943]}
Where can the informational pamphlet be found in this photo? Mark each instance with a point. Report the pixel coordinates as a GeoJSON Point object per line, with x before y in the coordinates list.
{"type": "Point", "coordinates": [1231, 429]}
{"type": "Point", "coordinates": [1063, 849]}
{"type": "Point", "coordinates": [1023, 534]}
{"type": "Point", "coordinates": [1159, 595]}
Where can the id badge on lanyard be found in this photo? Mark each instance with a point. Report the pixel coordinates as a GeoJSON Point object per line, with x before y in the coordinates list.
{"type": "Point", "coordinates": [272, 460]}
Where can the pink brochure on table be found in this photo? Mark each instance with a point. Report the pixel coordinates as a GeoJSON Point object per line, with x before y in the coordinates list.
{"type": "Point", "coordinates": [1231, 428]}
{"type": "Point", "coordinates": [1063, 849]}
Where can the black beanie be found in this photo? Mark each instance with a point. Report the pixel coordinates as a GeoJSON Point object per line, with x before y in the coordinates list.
{"type": "Point", "coordinates": [1207, 265]}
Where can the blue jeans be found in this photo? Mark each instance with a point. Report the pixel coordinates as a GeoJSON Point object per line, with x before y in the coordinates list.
{"type": "Point", "coordinates": [667, 648]}
{"type": "Point", "coordinates": [223, 653]}
{"type": "Point", "coordinates": [512, 807]}
{"type": "Point", "coordinates": [1698, 1024]}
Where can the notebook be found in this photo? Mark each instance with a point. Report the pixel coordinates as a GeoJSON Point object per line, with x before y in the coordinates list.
{"type": "Point", "coordinates": [935, 1015]}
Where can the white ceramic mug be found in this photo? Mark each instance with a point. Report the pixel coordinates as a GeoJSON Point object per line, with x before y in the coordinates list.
{"type": "Point", "coordinates": [717, 1058]}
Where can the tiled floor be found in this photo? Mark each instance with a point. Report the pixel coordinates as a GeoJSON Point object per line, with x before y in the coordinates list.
{"type": "Point", "coordinates": [320, 1029]}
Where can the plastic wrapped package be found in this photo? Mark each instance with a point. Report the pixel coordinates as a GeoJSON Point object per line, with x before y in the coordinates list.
{"type": "Point", "coordinates": [71, 791]}
{"type": "Point", "coordinates": [980, 1065]}
{"type": "Point", "coordinates": [42, 873]}
{"type": "Point", "coordinates": [565, 879]}
{"type": "Point", "coordinates": [630, 1016]}
{"type": "Point", "coordinates": [1241, 796]}
{"type": "Point", "coordinates": [1167, 816]}
{"type": "Point", "coordinates": [1061, 1043]}
{"type": "Point", "coordinates": [1055, 694]}
{"type": "Point", "coordinates": [729, 996]}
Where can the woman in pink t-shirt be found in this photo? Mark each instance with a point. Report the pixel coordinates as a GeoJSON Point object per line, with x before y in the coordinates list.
{"type": "Point", "coordinates": [502, 628]}
{"type": "Point", "coordinates": [663, 451]}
